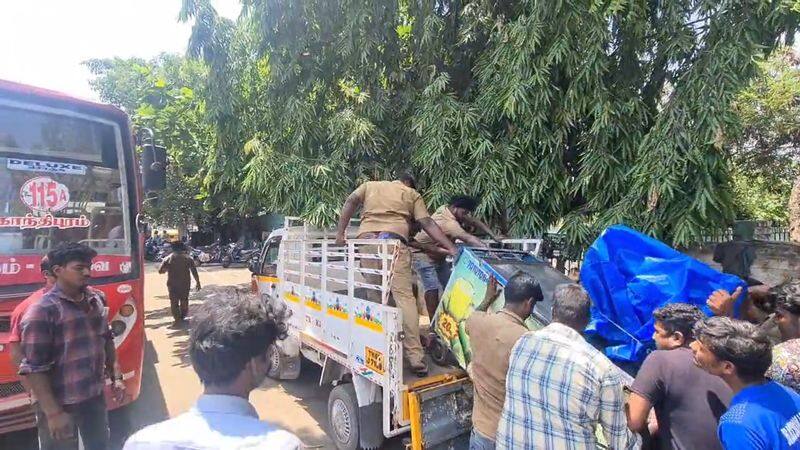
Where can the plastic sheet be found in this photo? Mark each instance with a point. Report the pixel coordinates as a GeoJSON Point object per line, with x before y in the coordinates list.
{"type": "Point", "coordinates": [628, 275]}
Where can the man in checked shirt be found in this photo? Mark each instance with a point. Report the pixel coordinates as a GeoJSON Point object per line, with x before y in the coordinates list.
{"type": "Point", "coordinates": [559, 388]}
{"type": "Point", "coordinates": [67, 351]}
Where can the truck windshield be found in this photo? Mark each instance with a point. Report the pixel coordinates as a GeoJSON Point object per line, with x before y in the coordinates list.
{"type": "Point", "coordinates": [60, 180]}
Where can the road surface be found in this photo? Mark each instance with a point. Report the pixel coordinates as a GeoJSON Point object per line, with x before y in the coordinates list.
{"type": "Point", "coordinates": [170, 386]}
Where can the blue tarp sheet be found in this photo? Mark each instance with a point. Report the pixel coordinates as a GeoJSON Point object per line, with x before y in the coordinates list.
{"type": "Point", "coordinates": [628, 275]}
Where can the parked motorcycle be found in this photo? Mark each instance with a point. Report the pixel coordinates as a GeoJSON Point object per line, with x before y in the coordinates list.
{"type": "Point", "coordinates": [237, 254]}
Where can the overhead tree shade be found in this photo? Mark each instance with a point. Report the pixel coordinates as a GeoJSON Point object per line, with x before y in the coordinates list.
{"type": "Point", "coordinates": [577, 114]}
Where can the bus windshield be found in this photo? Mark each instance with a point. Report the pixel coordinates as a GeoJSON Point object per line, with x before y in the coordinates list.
{"type": "Point", "coordinates": [61, 179]}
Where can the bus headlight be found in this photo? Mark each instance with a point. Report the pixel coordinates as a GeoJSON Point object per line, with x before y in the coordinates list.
{"type": "Point", "coordinates": [118, 327]}
{"type": "Point", "coordinates": [127, 310]}
{"type": "Point", "coordinates": [123, 322]}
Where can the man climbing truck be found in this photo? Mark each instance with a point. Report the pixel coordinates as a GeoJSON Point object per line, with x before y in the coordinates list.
{"type": "Point", "coordinates": [387, 209]}
{"type": "Point", "coordinates": [357, 342]}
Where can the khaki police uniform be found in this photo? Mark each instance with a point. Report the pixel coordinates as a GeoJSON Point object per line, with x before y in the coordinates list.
{"type": "Point", "coordinates": [388, 208]}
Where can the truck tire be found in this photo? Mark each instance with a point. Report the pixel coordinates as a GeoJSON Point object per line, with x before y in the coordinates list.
{"type": "Point", "coordinates": [346, 423]}
{"type": "Point", "coordinates": [274, 358]}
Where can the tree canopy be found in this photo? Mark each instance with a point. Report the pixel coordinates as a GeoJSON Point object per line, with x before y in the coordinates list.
{"type": "Point", "coordinates": [576, 113]}
{"type": "Point", "coordinates": [766, 146]}
{"type": "Point", "coordinates": [166, 95]}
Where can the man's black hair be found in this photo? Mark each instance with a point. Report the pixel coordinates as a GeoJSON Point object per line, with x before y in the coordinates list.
{"type": "Point", "coordinates": [408, 178]}
{"type": "Point", "coordinates": [228, 332]}
{"type": "Point", "coordinates": [44, 265]}
{"type": "Point", "coordinates": [178, 246]}
{"type": "Point", "coordinates": [68, 252]}
{"type": "Point", "coordinates": [521, 287]}
{"type": "Point", "coordinates": [739, 342]}
{"type": "Point", "coordinates": [679, 317]}
{"type": "Point", "coordinates": [465, 202]}
{"type": "Point", "coordinates": [787, 296]}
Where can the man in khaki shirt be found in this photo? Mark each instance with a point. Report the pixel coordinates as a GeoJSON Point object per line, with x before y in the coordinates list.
{"type": "Point", "coordinates": [428, 260]}
{"type": "Point", "coordinates": [388, 207]}
{"type": "Point", "coordinates": [492, 336]}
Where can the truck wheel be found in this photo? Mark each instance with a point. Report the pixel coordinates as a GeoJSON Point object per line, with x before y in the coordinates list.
{"type": "Point", "coordinates": [274, 358]}
{"type": "Point", "coordinates": [346, 424]}
{"type": "Point", "coordinates": [440, 354]}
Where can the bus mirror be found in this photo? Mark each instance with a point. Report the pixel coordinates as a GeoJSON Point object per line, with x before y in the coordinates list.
{"type": "Point", "coordinates": [154, 167]}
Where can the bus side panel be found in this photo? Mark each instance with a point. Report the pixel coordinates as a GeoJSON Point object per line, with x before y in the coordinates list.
{"type": "Point", "coordinates": [337, 322]}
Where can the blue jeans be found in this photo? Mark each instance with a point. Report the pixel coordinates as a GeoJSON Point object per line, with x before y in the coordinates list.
{"type": "Point", "coordinates": [478, 441]}
{"type": "Point", "coordinates": [433, 275]}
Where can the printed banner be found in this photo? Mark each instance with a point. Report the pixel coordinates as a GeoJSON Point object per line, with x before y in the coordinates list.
{"type": "Point", "coordinates": [33, 165]}
{"type": "Point", "coordinates": [25, 269]}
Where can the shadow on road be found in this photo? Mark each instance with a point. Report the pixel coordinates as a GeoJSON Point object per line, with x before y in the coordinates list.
{"type": "Point", "coordinates": [149, 408]}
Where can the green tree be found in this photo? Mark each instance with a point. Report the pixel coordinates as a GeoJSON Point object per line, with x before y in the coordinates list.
{"type": "Point", "coordinates": [166, 95]}
{"type": "Point", "coordinates": [581, 114]}
{"type": "Point", "coordinates": [767, 146]}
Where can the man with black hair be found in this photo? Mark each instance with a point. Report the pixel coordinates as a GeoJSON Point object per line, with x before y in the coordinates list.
{"type": "Point", "coordinates": [763, 414]}
{"type": "Point", "coordinates": [492, 336]}
{"type": "Point", "coordinates": [559, 387]}
{"type": "Point", "coordinates": [178, 265]}
{"type": "Point", "coordinates": [785, 367]}
{"type": "Point", "coordinates": [67, 354]}
{"type": "Point", "coordinates": [429, 260]}
{"type": "Point", "coordinates": [228, 349]}
{"type": "Point", "coordinates": [388, 208]}
{"type": "Point", "coordinates": [687, 412]}
{"type": "Point", "coordinates": [15, 336]}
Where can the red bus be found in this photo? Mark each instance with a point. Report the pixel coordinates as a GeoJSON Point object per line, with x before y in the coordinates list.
{"type": "Point", "coordinates": [68, 173]}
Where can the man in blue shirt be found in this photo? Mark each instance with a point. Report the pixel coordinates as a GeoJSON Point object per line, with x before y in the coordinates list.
{"type": "Point", "coordinates": [762, 414]}
{"type": "Point", "coordinates": [228, 347]}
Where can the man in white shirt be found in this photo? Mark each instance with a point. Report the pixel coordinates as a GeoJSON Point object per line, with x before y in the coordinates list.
{"type": "Point", "coordinates": [228, 345]}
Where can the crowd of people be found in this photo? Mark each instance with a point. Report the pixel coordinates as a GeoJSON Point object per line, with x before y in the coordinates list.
{"type": "Point", "coordinates": [716, 382]}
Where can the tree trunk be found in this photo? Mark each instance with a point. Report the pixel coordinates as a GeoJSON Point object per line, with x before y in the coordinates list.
{"type": "Point", "coordinates": [794, 211]}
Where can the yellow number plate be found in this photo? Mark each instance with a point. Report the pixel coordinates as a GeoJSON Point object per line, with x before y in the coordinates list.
{"type": "Point", "coordinates": [374, 360]}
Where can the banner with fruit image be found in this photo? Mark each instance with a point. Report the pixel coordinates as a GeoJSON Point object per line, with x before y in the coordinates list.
{"type": "Point", "coordinates": [464, 292]}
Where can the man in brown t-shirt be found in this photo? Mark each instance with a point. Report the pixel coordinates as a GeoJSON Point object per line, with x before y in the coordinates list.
{"type": "Point", "coordinates": [688, 401]}
{"type": "Point", "coordinates": [492, 336]}
{"type": "Point", "coordinates": [388, 207]}
{"type": "Point", "coordinates": [177, 266]}
{"type": "Point", "coordinates": [429, 261]}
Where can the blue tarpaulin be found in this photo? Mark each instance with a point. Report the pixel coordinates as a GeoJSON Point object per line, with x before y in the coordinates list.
{"type": "Point", "coordinates": [628, 275]}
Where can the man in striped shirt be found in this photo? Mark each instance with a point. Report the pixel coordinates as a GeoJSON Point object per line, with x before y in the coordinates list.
{"type": "Point", "coordinates": [559, 388]}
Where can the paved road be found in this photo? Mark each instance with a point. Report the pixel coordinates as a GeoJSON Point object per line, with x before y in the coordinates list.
{"type": "Point", "coordinates": [170, 387]}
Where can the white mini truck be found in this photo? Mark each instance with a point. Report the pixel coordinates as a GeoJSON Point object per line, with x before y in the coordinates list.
{"type": "Point", "coordinates": [358, 342]}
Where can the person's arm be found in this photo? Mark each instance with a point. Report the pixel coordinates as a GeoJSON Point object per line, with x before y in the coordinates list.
{"type": "Point", "coordinates": [470, 240]}
{"type": "Point", "coordinates": [351, 205]}
{"type": "Point", "coordinates": [437, 234]}
{"type": "Point", "coordinates": [164, 265]}
{"type": "Point", "coordinates": [430, 249]}
{"type": "Point", "coordinates": [638, 411]}
{"type": "Point", "coordinates": [36, 348]}
{"type": "Point", "coordinates": [722, 302]}
{"type": "Point", "coordinates": [612, 413]}
{"type": "Point", "coordinates": [479, 224]}
{"type": "Point", "coordinates": [493, 291]}
{"type": "Point", "coordinates": [196, 276]}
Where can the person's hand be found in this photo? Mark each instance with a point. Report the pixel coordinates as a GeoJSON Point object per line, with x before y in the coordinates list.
{"type": "Point", "coordinates": [721, 302]}
{"type": "Point", "coordinates": [340, 240]}
{"type": "Point", "coordinates": [493, 288]}
{"type": "Point", "coordinates": [499, 238]}
{"type": "Point", "coordinates": [60, 425]}
{"type": "Point", "coordinates": [118, 389]}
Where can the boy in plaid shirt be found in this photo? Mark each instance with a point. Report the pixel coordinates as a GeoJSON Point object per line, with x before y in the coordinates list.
{"type": "Point", "coordinates": [67, 351]}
